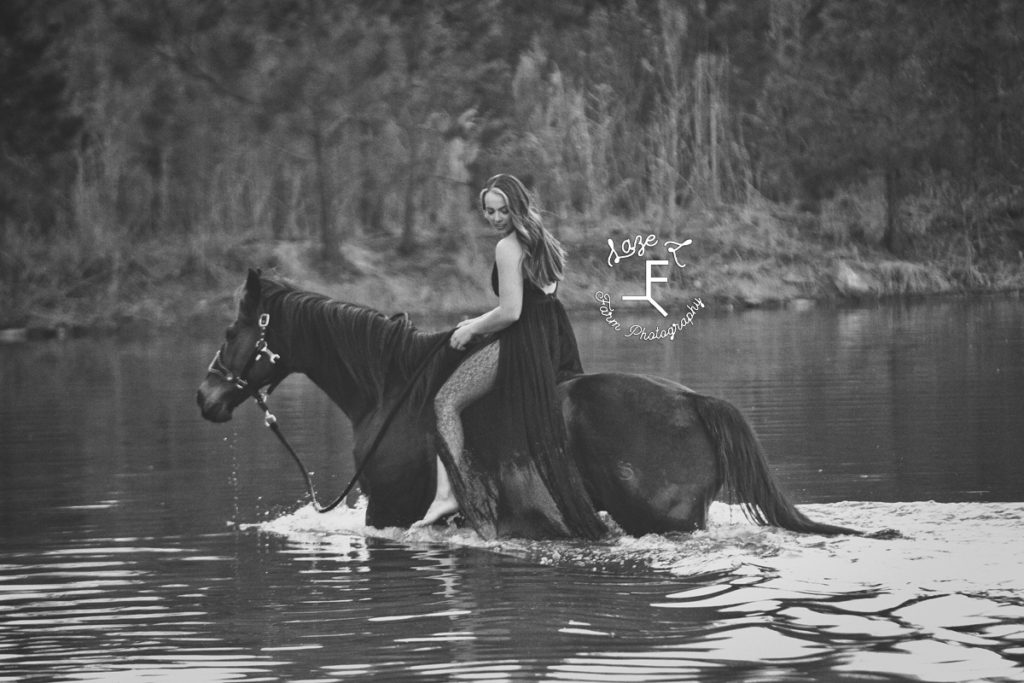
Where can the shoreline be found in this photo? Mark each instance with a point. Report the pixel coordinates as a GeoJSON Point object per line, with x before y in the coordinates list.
{"type": "Point", "coordinates": [732, 263]}
{"type": "Point", "coordinates": [215, 305]}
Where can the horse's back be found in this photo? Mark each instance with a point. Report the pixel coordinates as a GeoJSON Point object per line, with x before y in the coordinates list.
{"type": "Point", "coordinates": [642, 449]}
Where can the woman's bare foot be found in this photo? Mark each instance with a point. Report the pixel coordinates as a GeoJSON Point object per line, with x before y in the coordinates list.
{"type": "Point", "coordinates": [439, 509]}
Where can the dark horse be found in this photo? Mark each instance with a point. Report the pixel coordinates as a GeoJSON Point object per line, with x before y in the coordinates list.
{"type": "Point", "coordinates": [653, 454]}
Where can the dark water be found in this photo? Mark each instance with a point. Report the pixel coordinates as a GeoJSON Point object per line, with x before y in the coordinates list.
{"type": "Point", "coordinates": [141, 543]}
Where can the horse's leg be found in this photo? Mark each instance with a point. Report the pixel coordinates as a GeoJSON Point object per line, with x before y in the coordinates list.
{"type": "Point", "coordinates": [643, 451]}
{"type": "Point", "coordinates": [398, 480]}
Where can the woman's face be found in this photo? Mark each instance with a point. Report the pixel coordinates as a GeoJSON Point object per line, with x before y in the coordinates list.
{"type": "Point", "coordinates": [496, 211]}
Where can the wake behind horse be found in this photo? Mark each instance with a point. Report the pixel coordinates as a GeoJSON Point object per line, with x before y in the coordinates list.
{"type": "Point", "coordinates": [652, 453]}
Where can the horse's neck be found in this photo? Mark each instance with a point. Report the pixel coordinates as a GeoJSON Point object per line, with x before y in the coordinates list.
{"type": "Point", "coordinates": [352, 366]}
{"type": "Point", "coordinates": [314, 349]}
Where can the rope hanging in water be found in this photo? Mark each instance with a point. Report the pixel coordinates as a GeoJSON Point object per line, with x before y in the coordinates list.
{"type": "Point", "coordinates": [271, 421]}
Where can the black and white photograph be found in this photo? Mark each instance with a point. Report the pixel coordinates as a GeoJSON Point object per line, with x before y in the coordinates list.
{"type": "Point", "coordinates": [512, 340]}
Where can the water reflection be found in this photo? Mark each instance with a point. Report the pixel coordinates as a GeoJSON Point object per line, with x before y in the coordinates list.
{"type": "Point", "coordinates": [778, 604]}
{"type": "Point", "coordinates": [293, 601]}
{"type": "Point", "coordinates": [89, 607]}
{"type": "Point", "coordinates": [137, 542]}
{"type": "Point", "coordinates": [899, 402]}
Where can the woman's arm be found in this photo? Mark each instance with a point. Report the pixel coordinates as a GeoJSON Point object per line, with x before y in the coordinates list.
{"type": "Point", "coordinates": [508, 255]}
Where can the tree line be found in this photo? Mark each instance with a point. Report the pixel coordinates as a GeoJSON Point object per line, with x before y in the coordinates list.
{"type": "Point", "coordinates": [336, 120]}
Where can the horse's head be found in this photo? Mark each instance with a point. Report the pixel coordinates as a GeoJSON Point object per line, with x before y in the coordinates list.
{"type": "Point", "coordinates": [245, 362]}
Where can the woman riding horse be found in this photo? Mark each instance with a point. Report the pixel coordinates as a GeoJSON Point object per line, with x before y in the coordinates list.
{"type": "Point", "coordinates": [520, 349]}
{"type": "Point", "coordinates": [652, 453]}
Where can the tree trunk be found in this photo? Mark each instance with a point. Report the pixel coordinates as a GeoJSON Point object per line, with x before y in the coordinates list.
{"type": "Point", "coordinates": [891, 240]}
{"type": "Point", "coordinates": [278, 204]}
{"type": "Point", "coordinates": [371, 200]}
{"type": "Point", "coordinates": [329, 242]}
{"type": "Point", "coordinates": [408, 243]}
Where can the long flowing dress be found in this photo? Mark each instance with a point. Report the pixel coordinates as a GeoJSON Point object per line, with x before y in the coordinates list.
{"type": "Point", "coordinates": [516, 476]}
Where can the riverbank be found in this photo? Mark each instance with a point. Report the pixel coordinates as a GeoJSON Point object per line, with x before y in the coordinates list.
{"type": "Point", "coordinates": [732, 259]}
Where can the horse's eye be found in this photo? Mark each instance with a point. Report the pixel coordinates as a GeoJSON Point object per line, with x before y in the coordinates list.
{"type": "Point", "coordinates": [231, 333]}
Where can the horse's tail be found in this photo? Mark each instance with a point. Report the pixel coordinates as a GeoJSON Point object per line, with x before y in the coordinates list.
{"type": "Point", "coordinates": [744, 470]}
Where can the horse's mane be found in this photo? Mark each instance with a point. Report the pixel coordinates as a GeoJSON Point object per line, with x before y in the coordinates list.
{"type": "Point", "coordinates": [373, 347]}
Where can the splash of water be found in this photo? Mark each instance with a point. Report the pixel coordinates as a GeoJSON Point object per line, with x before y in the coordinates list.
{"type": "Point", "coordinates": [970, 548]}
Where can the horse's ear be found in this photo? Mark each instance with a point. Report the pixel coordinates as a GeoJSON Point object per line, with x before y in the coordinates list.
{"type": "Point", "coordinates": [251, 297]}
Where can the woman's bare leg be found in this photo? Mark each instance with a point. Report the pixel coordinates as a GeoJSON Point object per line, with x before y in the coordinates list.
{"type": "Point", "coordinates": [469, 382]}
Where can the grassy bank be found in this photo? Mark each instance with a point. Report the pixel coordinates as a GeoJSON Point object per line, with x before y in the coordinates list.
{"type": "Point", "coordinates": [738, 258]}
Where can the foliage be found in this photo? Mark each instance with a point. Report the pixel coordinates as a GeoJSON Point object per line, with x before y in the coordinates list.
{"type": "Point", "coordinates": [336, 123]}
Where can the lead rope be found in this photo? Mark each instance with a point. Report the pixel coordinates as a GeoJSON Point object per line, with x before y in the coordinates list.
{"type": "Point", "coordinates": [271, 421]}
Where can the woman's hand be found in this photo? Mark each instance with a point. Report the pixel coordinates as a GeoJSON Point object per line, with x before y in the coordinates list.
{"type": "Point", "coordinates": [461, 336]}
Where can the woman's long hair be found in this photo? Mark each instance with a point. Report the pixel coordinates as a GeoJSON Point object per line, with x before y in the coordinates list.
{"type": "Point", "coordinates": [544, 257]}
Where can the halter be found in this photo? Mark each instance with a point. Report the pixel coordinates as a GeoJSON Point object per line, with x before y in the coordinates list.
{"type": "Point", "coordinates": [241, 380]}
